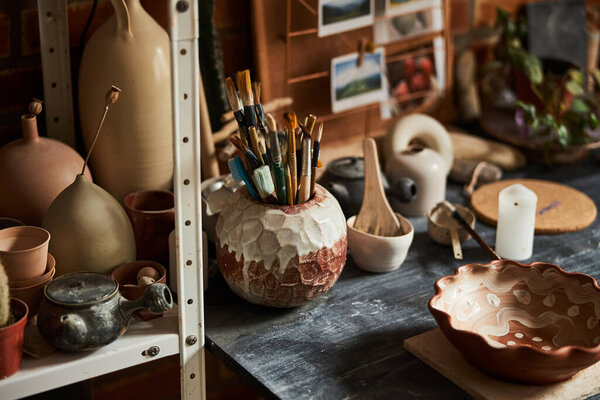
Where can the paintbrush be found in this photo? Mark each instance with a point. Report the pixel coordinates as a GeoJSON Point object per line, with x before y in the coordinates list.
{"type": "Point", "coordinates": [315, 156]}
{"type": "Point", "coordinates": [290, 125]}
{"type": "Point", "coordinates": [459, 218]}
{"type": "Point", "coordinates": [304, 187]}
{"type": "Point", "coordinates": [254, 140]}
{"type": "Point", "coordinates": [239, 173]}
{"type": "Point", "coordinates": [288, 184]}
{"type": "Point", "coordinates": [309, 123]}
{"type": "Point", "coordinates": [248, 154]}
{"type": "Point", "coordinates": [260, 113]}
{"type": "Point", "coordinates": [264, 150]}
{"type": "Point", "coordinates": [245, 86]}
{"type": "Point", "coordinates": [278, 173]}
{"type": "Point", "coordinates": [264, 184]}
{"type": "Point", "coordinates": [236, 105]}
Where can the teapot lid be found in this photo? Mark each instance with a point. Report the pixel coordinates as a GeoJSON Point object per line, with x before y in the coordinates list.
{"type": "Point", "coordinates": [348, 167]}
{"type": "Point", "coordinates": [80, 287]}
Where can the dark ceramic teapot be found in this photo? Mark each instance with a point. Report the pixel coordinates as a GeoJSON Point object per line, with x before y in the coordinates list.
{"type": "Point", "coordinates": [344, 178]}
{"type": "Point", "coordinates": [85, 310]}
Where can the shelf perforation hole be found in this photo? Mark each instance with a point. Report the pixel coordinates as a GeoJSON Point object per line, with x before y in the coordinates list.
{"type": "Point", "coordinates": [192, 376]}
{"type": "Point", "coordinates": [183, 52]}
{"type": "Point", "coordinates": [51, 49]}
{"type": "Point", "coordinates": [185, 96]}
{"type": "Point", "coordinates": [55, 119]}
{"type": "Point", "coordinates": [190, 301]}
{"type": "Point", "coordinates": [188, 262]}
{"type": "Point", "coordinates": [188, 222]}
{"type": "Point", "coordinates": [186, 182]}
{"type": "Point", "coordinates": [186, 139]}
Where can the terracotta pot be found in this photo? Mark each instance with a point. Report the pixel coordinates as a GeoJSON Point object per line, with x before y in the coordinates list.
{"type": "Point", "coordinates": [32, 295]}
{"type": "Point", "coordinates": [131, 51]}
{"type": "Point", "coordinates": [126, 277]}
{"type": "Point", "coordinates": [529, 323]}
{"type": "Point", "coordinates": [90, 230]}
{"type": "Point", "coordinates": [11, 340]}
{"type": "Point", "coordinates": [427, 169]}
{"type": "Point", "coordinates": [281, 256]}
{"type": "Point", "coordinates": [152, 215]}
{"type": "Point", "coordinates": [34, 170]}
{"type": "Point", "coordinates": [9, 222]}
{"type": "Point", "coordinates": [24, 251]}
{"type": "Point", "coordinates": [50, 270]}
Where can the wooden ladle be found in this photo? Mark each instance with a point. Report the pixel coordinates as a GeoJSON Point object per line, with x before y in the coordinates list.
{"type": "Point", "coordinates": [375, 216]}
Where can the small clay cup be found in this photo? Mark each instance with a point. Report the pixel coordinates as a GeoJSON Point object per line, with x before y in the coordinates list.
{"type": "Point", "coordinates": [11, 340]}
{"type": "Point", "coordinates": [9, 222]}
{"type": "Point", "coordinates": [379, 253]}
{"type": "Point", "coordinates": [50, 271]}
{"type": "Point", "coordinates": [152, 215]}
{"type": "Point", "coordinates": [24, 251]}
{"type": "Point", "coordinates": [32, 295]}
{"type": "Point", "coordinates": [126, 277]}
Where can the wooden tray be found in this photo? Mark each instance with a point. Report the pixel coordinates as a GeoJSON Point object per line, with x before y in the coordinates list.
{"type": "Point", "coordinates": [560, 208]}
{"type": "Point", "coordinates": [436, 351]}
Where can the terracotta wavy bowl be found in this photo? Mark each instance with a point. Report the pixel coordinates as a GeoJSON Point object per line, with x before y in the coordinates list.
{"type": "Point", "coordinates": [530, 323]}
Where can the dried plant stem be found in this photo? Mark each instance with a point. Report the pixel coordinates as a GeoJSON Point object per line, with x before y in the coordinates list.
{"type": "Point", "coordinates": [87, 157]}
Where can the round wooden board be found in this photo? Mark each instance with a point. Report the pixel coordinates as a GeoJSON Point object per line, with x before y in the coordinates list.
{"type": "Point", "coordinates": [560, 208]}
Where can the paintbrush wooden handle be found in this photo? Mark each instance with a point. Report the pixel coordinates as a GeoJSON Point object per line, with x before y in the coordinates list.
{"type": "Point", "coordinates": [304, 189]}
{"type": "Point", "coordinates": [313, 180]}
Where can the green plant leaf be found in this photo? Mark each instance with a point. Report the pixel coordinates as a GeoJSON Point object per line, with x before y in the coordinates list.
{"type": "Point", "coordinates": [562, 135]}
{"type": "Point", "coordinates": [532, 67]}
{"type": "Point", "coordinates": [596, 74]}
{"type": "Point", "coordinates": [574, 88]}
{"type": "Point", "coordinates": [575, 75]}
{"type": "Point", "coordinates": [579, 106]}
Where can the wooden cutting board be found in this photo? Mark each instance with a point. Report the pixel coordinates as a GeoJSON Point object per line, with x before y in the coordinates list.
{"type": "Point", "coordinates": [435, 350]}
{"type": "Point", "coordinates": [560, 208]}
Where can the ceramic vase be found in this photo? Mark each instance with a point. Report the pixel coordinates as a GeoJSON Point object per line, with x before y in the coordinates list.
{"type": "Point", "coordinates": [132, 52]}
{"type": "Point", "coordinates": [427, 169]}
{"type": "Point", "coordinates": [152, 215]}
{"type": "Point", "coordinates": [33, 171]}
{"type": "Point", "coordinates": [90, 230]}
{"type": "Point", "coordinates": [281, 256]}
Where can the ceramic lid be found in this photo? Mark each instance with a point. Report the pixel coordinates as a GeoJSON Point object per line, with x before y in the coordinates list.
{"type": "Point", "coordinates": [80, 288]}
{"type": "Point", "coordinates": [348, 167]}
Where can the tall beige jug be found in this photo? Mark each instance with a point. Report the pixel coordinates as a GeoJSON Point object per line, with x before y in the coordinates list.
{"type": "Point", "coordinates": [132, 52]}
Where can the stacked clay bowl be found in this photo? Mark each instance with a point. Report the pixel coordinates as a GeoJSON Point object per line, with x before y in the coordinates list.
{"type": "Point", "coordinates": [28, 265]}
{"type": "Point", "coordinates": [532, 323]}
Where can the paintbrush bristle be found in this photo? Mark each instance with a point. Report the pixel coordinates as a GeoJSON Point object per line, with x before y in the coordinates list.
{"type": "Point", "coordinates": [232, 96]}
{"type": "Point", "coordinates": [290, 121]}
{"type": "Point", "coordinates": [256, 92]}
{"type": "Point", "coordinates": [245, 86]}
{"type": "Point", "coordinates": [271, 123]}
{"type": "Point", "coordinates": [319, 132]}
{"type": "Point", "coordinates": [309, 123]}
{"type": "Point", "coordinates": [238, 143]}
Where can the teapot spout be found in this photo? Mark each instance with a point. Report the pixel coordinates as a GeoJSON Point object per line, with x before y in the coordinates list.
{"type": "Point", "coordinates": [156, 299]}
{"type": "Point", "coordinates": [74, 328]}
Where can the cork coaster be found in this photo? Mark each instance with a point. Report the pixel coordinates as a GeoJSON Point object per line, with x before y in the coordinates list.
{"type": "Point", "coordinates": [434, 349]}
{"type": "Point", "coordinates": [560, 208]}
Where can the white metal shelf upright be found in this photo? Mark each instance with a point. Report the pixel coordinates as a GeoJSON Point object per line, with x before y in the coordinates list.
{"type": "Point", "coordinates": [182, 330]}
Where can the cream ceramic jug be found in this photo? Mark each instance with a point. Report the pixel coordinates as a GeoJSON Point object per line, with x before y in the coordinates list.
{"type": "Point", "coordinates": [132, 52]}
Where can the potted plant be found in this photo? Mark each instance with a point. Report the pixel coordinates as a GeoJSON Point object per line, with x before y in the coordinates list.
{"type": "Point", "coordinates": [13, 317]}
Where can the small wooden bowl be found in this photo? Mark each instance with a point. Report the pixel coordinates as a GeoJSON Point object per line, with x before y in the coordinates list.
{"type": "Point", "coordinates": [126, 276]}
{"type": "Point", "coordinates": [528, 323]}
{"type": "Point", "coordinates": [440, 223]}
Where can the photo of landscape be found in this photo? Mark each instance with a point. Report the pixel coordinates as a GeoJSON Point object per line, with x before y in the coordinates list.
{"type": "Point", "coordinates": [395, 7]}
{"type": "Point", "coordinates": [353, 86]}
{"type": "Point", "coordinates": [342, 10]}
{"type": "Point", "coordinates": [344, 15]}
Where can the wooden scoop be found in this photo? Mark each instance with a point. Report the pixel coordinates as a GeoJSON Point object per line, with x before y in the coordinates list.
{"type": "Point", "coordinates": [375, 216]}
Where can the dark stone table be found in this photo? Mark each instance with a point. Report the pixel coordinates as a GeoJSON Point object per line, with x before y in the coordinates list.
{"type": "Point", "coordinates": [347, 344]}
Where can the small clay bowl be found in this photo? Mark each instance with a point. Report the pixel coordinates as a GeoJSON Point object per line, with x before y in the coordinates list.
{"type": "Point", "coordinates": [32, 295]}
{"type": "Point", "coordinates": [441, 226]}
{"type": "Point", "coordinates": [50, 271]}
{"type": "Point", "coordinates": [528, 323]}
{"type": "Point", "coordinates": [24, 251]}
{"type": "Point", "coordinates": [126, 276]}
{"type": "Point", "coordinates": [379, 253]}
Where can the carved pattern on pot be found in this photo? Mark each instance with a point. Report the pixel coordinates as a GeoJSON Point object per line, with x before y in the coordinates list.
{"type": "Point", "coordinates": [281, 256]}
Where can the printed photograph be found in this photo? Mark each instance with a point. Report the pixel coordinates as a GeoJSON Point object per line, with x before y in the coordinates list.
{"type": "Point", "coordinates": [353, 86]}
{"type": "Point", "coordinates": [408, 25]}
{"type": "Point", "coordinates": [395, 7]}
{"type": "Point", "coordinates": [344, 15]}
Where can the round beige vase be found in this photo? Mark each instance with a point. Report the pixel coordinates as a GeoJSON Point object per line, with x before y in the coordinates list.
{"type": "Point", "coordinates": [281, 256]}
{"type": "Point", "coordinates": [132, 52]}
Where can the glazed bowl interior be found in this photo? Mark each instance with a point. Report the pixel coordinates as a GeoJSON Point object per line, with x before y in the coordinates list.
{"type": "Point", "coordinates": [513, 305]}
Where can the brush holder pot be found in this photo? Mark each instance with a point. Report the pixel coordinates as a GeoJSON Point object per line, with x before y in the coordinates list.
{"type": "Point", "coordinates": [281, 256]}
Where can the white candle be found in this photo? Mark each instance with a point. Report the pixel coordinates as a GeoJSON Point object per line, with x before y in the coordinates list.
{"type": "Point", "coordinates": [516, 222]}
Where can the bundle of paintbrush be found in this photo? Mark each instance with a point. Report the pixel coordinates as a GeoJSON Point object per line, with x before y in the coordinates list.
{"type": "Point", "coordinates": [278, 166]}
